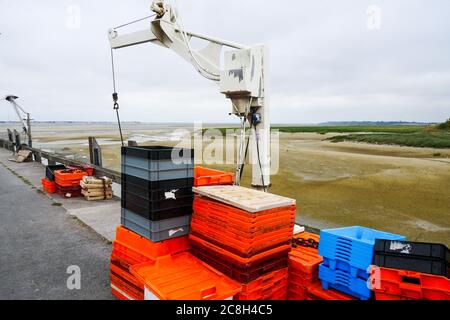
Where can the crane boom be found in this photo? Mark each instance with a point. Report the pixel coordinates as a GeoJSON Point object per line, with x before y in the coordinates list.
{"type": "Point", "coordinates": [243, 78]}
{"type": "Point", "coordinates": [21, 113]}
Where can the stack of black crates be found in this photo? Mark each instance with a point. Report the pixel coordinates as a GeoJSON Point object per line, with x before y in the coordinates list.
{"type": "Point", "coordinates": [429, 258]}
{"type": "Point", "coordinates": [157, 192]}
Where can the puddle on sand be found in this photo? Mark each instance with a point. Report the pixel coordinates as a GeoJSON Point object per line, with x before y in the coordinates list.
{"type": "Point", "coordinates": [427, 226]}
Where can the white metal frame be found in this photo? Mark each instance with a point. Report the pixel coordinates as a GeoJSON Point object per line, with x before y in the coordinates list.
{"type": "Point", "coordinates": [167, 31]}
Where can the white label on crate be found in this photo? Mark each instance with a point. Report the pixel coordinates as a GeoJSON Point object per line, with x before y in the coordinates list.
{"type": "Point", "coordinates": [171, 195]}
{"type": "Point", "coordinates": [401, 247]}
{"type": "Point", "coordinates": [173, 232]}
{"type": "Point", "coordinates": [148, 295]}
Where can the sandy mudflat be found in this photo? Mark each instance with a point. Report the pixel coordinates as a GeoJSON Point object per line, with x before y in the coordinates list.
{"type": "Point", "coordinates": [397, 189]}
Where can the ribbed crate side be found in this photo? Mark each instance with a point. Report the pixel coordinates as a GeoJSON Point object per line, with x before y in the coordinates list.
{"type": "Point", "coordinates": [156, 226]}
{"type": "Point", "coordinates": [343, 281]}
{"type": "Point", "coordinates": [174, 174]}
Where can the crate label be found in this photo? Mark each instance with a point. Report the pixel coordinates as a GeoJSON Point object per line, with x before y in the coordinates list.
{"type": "Point", "coordinates": [400, 247]}
{"type": "Point", "coordinates": [175, 231]}
{"type": "Point", "coordinates": [171, 195]}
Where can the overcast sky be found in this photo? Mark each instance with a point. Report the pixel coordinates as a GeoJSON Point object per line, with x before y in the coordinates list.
{"type": "Point", "coordinates": [330, 60]}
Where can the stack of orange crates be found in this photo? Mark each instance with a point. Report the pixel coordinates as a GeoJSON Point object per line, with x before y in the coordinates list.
{"type": "Point", "coordinates": [49, 186]}
{"type": "Point", "coordinates": [303, 280]}
{"type": "Point", "coordinates": [271, 286]}
{"type": "Point", "coordinates": [249, 247]}
{"type": "Point", "coordinates": [131, 249]}
{"type": "Point", "coordinates": [304, 261]}
{"type": "Point", "coordinates": [68, 182]}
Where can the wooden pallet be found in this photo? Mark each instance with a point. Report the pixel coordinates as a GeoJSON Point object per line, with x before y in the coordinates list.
{"type": "Point", "coordinates": [244, 198]}
{"type": "Point", "coordinates": [94, 196]}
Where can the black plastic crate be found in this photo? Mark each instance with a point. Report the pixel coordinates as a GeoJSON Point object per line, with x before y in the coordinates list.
{"type": "Point", "coordinates": [430, 258]}
{"type": "Point", "coordinates": [50, 171]}
{"type": "Point", "coordinates": [155, 194]}
{"type": "Point", "coordinates": [157, 210]}
{"type": "Point", "coordinates": [157, 185]}
{"type": "Point", "coordinates": [154, 205]}
{"type": "Point", "coordinates": [157, 153]}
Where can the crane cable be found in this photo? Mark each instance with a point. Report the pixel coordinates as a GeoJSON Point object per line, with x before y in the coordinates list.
{"type": "Point", "coordinates": [115, 96]}
{"type": "Point", "coordinates": [201, 69]}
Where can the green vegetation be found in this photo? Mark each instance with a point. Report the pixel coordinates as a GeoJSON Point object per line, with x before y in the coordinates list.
{"type": "Point", "coordinates": [420, 136]}
{"type": "Point", "coordinates": [424, 139]}
{"type": "Point", "coordinates": [340, 129]}
{"type": "Point", "coordinates": [444, 126]}
{"type": "Point", "coordinates": [352, 129]}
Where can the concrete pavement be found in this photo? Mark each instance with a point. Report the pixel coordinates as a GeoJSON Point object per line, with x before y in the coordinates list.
{"type": "Point", "coordinates": [39, 241]}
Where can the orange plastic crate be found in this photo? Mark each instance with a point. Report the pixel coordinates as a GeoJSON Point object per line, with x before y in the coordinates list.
{"type": "Point", "coordinates": [184, 277]}
{"type": "Point", "coordinates": [241, 246]}
{"type": "Point", "coordinates": [272, 286]}
{"type": "Point", "coordinates": [247, 230]}
{"type": "Point", "coordinates": [123, 291]}
{"type": "Point", "coordinates": [141, 248]}
{"type": "Point", "coordinates": [123, 281]}
{"type": "Point", "coordinates": [278, 292]}
{"type": "Point", "coordinates": [409, 284]}
{"type": "Point", "coordinates": [209, 177]}
{"type": "Point", "coordinates": [236, 259]}
{"type": "Point", "coordinates": [303, 271]}
{"type": "Point", "coordinates": [303, 261]}
{"type": "Point", "coordinates": [316, 292]}
{"type": "Point", "coordinates": [268, 279]}
{"type": "Point", "coordinates": [69, 178]}
{"type": "Point", "coordinates": [126, 283]}
{"type": "Point", "coordinates": [211, 208]}
{"type": "Point", "coordinates": [48, 186]}
{"type": "Point", "coordinates": [306, 241]}
{"type": "Point", "coordinates": [297, 294]}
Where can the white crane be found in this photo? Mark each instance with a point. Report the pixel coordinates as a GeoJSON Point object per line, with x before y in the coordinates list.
{"type": "Point", "coordinates": [24, 117]}
{"type": "Point", "coordinates": [243, 78]}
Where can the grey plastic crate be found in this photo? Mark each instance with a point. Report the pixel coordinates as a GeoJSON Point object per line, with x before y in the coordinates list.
{"type": "Point", "coordinates": [155, 165]}
{"type": "Point", "coordinates": [156, 231]}
{"type": "Point", "coordinates": [159, 170]}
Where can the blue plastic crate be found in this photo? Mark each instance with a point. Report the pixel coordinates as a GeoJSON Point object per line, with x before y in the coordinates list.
{"type": "Point", "coordinates": [352, 248]}
{"type": "Point", "coordinates": [344, 282]}
{"type": "Point", "coordinates": [345, 266]}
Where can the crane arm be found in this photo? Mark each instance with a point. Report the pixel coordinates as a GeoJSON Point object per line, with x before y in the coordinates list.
{"type": "Point", "coordinates": [243, 79]}
{"type": "Point", "coordinates": [18, 109]}
{"type": "Point", "coordinates": [165, 31]}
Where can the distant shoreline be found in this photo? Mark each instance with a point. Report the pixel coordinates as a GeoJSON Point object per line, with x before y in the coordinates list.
{"type": "Point", "coordinates": [332, 123]}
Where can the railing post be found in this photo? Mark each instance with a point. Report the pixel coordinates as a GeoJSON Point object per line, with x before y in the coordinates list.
{"type": "Point", "coordinates": [132, 143]}
{"type": "Point", "coordinates": [30, 140]}
{"type": "Point", "coordinates": [17, 141]}
{"type": "Point", "coordinates": [95, 152]}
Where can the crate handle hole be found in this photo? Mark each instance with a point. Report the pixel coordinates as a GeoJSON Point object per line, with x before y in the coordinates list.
{"type": "Point", "coordinates": [411, 280]}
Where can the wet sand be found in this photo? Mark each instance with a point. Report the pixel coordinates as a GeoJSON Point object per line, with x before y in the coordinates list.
{"type": "Point", "coordinates": [397, 189]}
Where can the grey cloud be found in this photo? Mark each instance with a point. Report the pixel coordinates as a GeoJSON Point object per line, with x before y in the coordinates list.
{"type": "Point", "coordinates": [325, 63]}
